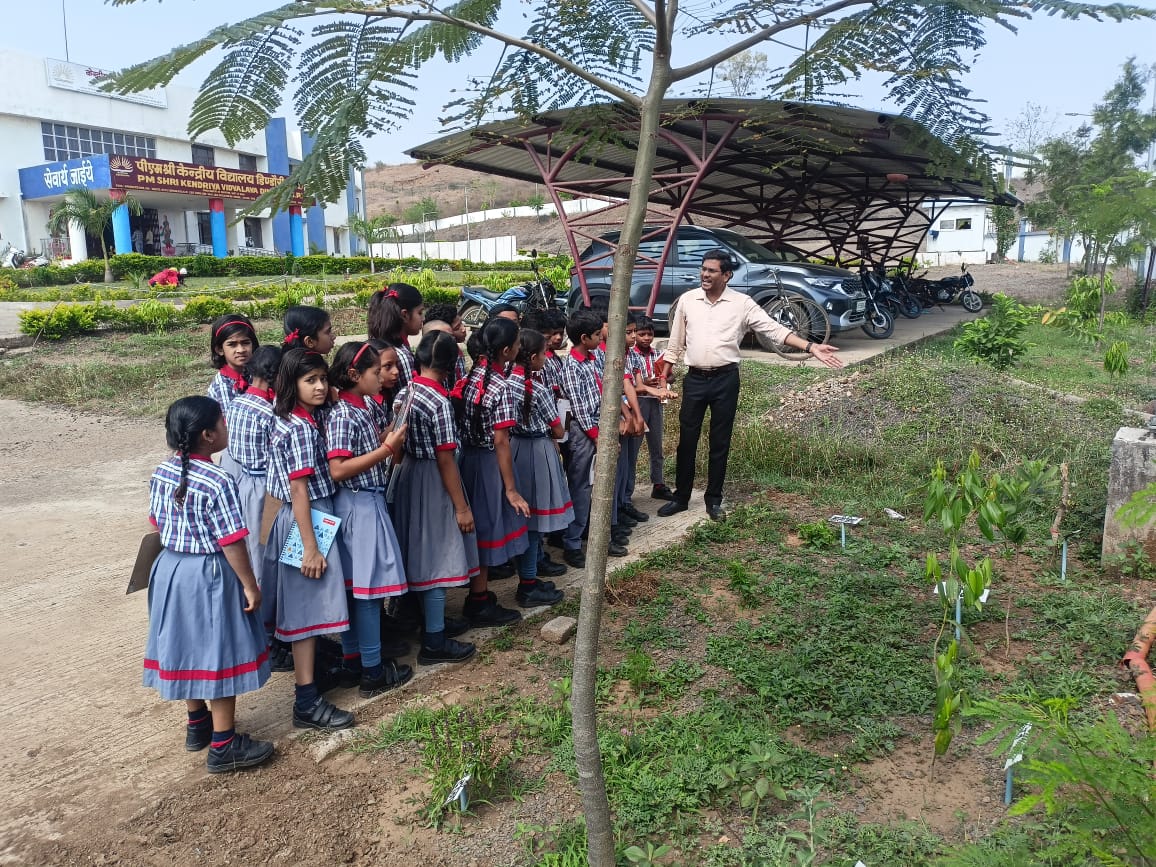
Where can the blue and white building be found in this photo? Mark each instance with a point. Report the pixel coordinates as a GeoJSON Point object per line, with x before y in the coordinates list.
{"type": "Point", "coordinates": [58, 130]}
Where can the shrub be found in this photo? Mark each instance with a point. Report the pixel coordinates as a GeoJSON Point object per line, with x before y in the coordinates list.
{"type": "Point", "coordinates": [63, 321]}
{"type": "Point", "coordinates": [997, 339]}
{"type": "Point", "coordinates": [152, 315]}
{"type": "Point", "coordinates": [204, 308]}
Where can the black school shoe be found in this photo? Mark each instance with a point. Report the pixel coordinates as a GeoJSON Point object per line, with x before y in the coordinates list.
{"type": "Point", "coordinates": [488, 612]}
{"type": "Point", "coordinates": [637, 515]}
{"type": "Point", "coordinates": [574, 558]}
{"type": "Point", "coordinates": [198, 737]}
{"type": "Point", "coordinates": [280, 656]}
{"type": "Point", "coordinates": [662, 492]}
{"type": "Point", "coordinates": [506, 570]}
{"type": "Point", "coordinates": [624, 519]}
{"type": "Point", "coordinates": [539, 594]}
{"type": "Point", "coordinates": [324, 715]}
{"type": "Point", "coordinates": [392, 676]}
{"type": "Point", "coordinates": [672, 508]}
{"type": "Point", "coordinates": [451, 651]}
{"type": "Point", "coordinates": [549, 567]}
{"type": "Point", "coordinates": [554, 539]}
{"type": "Point", "coordinates": [240, 752]}
{"type": "Point", "coordinates": [616, 550]}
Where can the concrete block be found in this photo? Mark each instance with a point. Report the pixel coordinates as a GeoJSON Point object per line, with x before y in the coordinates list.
{"type": "Point", "coordinates": [1133, 467]}
{"type": "Point", "coordinates": [559, 629]}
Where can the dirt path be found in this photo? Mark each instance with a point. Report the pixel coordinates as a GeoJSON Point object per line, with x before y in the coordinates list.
{"type": "Point", "coordinates": [84, 743]}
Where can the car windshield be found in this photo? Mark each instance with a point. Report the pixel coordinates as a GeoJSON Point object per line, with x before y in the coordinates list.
{"type": "Point", "coordinates": [757, 253]}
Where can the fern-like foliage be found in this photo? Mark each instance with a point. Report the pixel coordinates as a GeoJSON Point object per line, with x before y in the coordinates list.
{"type": "Point", "coordinates": [242, 92]}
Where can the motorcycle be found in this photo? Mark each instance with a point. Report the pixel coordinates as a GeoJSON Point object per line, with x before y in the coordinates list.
{"type": "Point", "coordinates": [11, 257]}
{"type": "Point", "coordinates": [880, 321]}
{"type": "Point", "coordinates": [536, 294]}
{"type": "Point", "coordinates": [945, 290]}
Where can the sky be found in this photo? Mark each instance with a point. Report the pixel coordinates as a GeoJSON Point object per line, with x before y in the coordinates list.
{"type": "Point", "coordinates": [1061, 65]}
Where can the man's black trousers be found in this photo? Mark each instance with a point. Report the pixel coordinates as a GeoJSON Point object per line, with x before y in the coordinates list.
{"type": "Point", "coordinates": [717, 390]}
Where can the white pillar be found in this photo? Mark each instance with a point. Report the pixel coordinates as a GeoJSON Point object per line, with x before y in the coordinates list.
{"type": "Point", "coordinates": [77, 243]}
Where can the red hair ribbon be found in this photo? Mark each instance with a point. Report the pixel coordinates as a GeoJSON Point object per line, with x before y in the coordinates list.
{"type": "Point", "coordinates": [292, 335]}
{"type": "Point", "coordinates": [387, 292]}
{"type": "Point", "coordinates": [364, 347]}
{"type": "Point", "coordinates": [231, 322]}
{"type": "Point", "coordinates": [459, 388]}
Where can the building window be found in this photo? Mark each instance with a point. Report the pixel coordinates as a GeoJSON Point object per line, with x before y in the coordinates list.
{"type": "Point", "coordinates": [253, 232]}
{"type": "Point", "coordinates": [946, 225]}
{"type": "Point", "coordinates": [336, 242]}
{"type": "Point", "coordinates": [204, 227]}
{"type": "Point", "coordinates": [203, 156]}
{"type": "Point", "coordinates": [963, 223]}
{"type": "Point", "coordinates": [65, 142]}
{"type": "Point", "coordinates": [247, 162]}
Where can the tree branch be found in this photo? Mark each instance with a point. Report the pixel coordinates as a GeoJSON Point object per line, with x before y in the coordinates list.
{"type": "Point", "coordinates": [671, 15]}
{"type": "Point", "coordinates": [646, 12]}
{"type": "Point", "coordinates": [661, 24]}
{"type": "Point", "coordinates": [684, 72]}
{"type": "Point", "coordinates": [437, 17]}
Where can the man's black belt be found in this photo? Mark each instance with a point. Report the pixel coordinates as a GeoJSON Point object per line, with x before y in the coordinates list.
{"type": "Point", "coordinates": [708, 372]}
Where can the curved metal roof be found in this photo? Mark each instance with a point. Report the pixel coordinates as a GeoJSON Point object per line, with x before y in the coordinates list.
{"type": "Point", "coordinates": [833, 181]}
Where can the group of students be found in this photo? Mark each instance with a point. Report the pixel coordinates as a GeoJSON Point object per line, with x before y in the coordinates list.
{"type": "Point", "coordinates": [439, 473]}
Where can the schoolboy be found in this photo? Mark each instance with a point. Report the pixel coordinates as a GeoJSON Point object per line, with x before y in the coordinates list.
{"type": "Point", "coordinates": [438, 315]}
{"type": "Point", "coordinates": [625, 517]}
{"type": "Point", "coordinates": [652, 394]}
{"type": "Point", "coordinates": [582, 387]}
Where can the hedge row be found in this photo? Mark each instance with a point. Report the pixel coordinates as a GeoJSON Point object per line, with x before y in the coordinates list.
{"type": "Point", "coordinates": [73, 320]}
{"type": "Point", "coordinates": [92, 270]}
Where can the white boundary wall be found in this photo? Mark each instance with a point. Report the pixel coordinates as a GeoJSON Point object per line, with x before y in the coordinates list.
{"type": "Point", "coordinates": [501, 249]}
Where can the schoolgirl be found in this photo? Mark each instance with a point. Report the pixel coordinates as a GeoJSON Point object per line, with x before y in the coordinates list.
{"type": "Point", "coordinates": [370, 557]}
{"type": "Point", "coordinates": [205, 640]}
{"type": "Point", "coordinates": [309, 599]}
{"type": "Point", "coordinates": [308, 328]}
{"type": "Point", "coordinates": [537, 467]}
{"type": "Point", "coordinates": [232, 342]}
{"type": "Point", "coordinates": [486, 414]}
{"type": "Point", "coordinates": [433, 519]}
{"type": "Point", "coordinates": [396, 314]}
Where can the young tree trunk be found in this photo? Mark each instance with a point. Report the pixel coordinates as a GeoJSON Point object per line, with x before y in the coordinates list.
{"type": "Point", "coordinates": [1103, 294]}
{"type": "Point", "coordinates": [591, 782]}
{"type": "Point", "coordinates": [107, 264]}
{"type": "Point", "coordinates": [1145, 295]}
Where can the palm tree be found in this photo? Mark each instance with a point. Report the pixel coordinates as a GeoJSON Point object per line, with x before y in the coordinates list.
{"type": "Point", "coordinates": [92, 213]}
{"type": "Point", "coordinates": [376, 230]}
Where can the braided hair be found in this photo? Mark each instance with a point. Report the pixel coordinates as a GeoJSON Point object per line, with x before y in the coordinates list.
{"type": "Point", "coordinates": [484, 345]}
{"type": "Point", "coordinates": [533, 342]}
{"type": "Point", "coordinates": [186, 420]}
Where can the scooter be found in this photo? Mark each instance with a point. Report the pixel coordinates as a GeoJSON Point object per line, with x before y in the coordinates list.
{"type": "Point", "coordinates": [536, 294]}
{"type": "Point", "coordinates": [10, 257]}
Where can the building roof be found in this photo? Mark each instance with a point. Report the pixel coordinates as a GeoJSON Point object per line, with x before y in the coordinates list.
{"type": "Point", "coordinates": [827, 179]}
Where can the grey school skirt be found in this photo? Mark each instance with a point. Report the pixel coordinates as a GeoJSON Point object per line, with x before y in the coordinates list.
{"type": "Point", "coordinates": [542, 481]}
{"type": "Point", "coordinates": [370, 557]}
{"type": "Point", "coordinates": [201, 643]}
{"type": "Point", "coordinates": [436, 553]}
{"type": "Point", "coordinates": [302, 607]}
{"type": "Point", "coordinates": [251, 491]}
{"type": "Point", "coordinates": [501, 531]}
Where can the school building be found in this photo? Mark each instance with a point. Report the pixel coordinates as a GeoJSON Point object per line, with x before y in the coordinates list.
{"type": "Point", "coordinates": [58, 130]}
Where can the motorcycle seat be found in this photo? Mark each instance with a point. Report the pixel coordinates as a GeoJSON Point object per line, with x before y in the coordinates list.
{"type": "Point", "coordinates": [484, 292]}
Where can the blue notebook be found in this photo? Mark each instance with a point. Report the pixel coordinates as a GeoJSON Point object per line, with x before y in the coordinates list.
{"type": "Point", "coordinates": [324, 528]}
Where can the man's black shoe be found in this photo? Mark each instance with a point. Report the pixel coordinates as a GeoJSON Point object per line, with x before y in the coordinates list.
{"type": "Point", "coordinates": [715, 512]}
{"type": "Point", "coordinates": [672, 508]}
{"type": "Point", "coordinates": [662, 492]}
{"type": "Point", "coordinates": [489, 612]}
{"type": "Point", "coordinates": [240, 752]}
{"type": "Point", "coordinates": [450, 651]}
{"type": "Point", "coordinates": [574, 558]}
{"type": "Point", "coordinates": [636, 515]}
{"type": "Point", "coordinates": [550, 569]}
{"type": "Point", "coordinates": [616, 550]}
{"type": "Point", "coordinates": [624, 520]}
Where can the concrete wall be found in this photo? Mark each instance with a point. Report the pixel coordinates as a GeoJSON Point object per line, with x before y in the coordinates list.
{"type": "Point", "coordinates": [1133, 468]}
{"type": "Point", "coordinates": [500, 249]}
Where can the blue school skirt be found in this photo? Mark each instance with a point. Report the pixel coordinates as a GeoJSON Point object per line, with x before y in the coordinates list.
{"type": "Point", "coordinates": [201, 643]}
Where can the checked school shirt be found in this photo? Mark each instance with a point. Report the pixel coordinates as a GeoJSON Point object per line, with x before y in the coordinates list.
{"type": "Point", "coordinates": [210, 517]}
{"type": "Point", "coordinates": [226, 386]}
{"type": "Point", "coordinates": [351, 430]}
{"type": "Point", "coordinates": [297, 451]}
{"type": "Point", "coordinates": [551, 373]}
{"type": "Point", "coordinates": [487, 409]}
{"type": "Point", "coordinates": [250, 419]}
{"type": "Point", "coordinates": [431, 420]}
{"type": "Point", "coordinates": [582, 385]}
{"type": "Point", "coordinates": [543, 410]}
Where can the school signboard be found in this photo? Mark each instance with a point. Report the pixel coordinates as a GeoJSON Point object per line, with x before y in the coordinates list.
{"type": "Point", "coordinates": [169, 176]}
{"type": "Point", "coordinates": [53, 179]}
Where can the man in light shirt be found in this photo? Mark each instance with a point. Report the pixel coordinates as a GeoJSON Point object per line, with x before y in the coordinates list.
{"type": "Point", "coordinates": [709, 324]}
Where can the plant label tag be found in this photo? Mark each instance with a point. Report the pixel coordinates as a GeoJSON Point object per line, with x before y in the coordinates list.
{"type": "Point", "coordinates": [1020, 738]}
{"type": "Point", "coordinates": [459, 793]}
{"type": "Point", "coordinates": [853, 520]}
{"type": "Point", "coordinates": [893, 515]}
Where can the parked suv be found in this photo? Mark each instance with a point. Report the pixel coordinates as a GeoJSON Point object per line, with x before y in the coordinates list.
{"type": "Point", "coordinates": [835, 290]}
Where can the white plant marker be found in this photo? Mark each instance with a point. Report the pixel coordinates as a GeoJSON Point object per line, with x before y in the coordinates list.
{"type": "Point", "coordinates": [1013, 760]}
{"type": "Point", "coordinates": [843, 521]}
{"type": "Point", "coordinates": [459, 793]}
